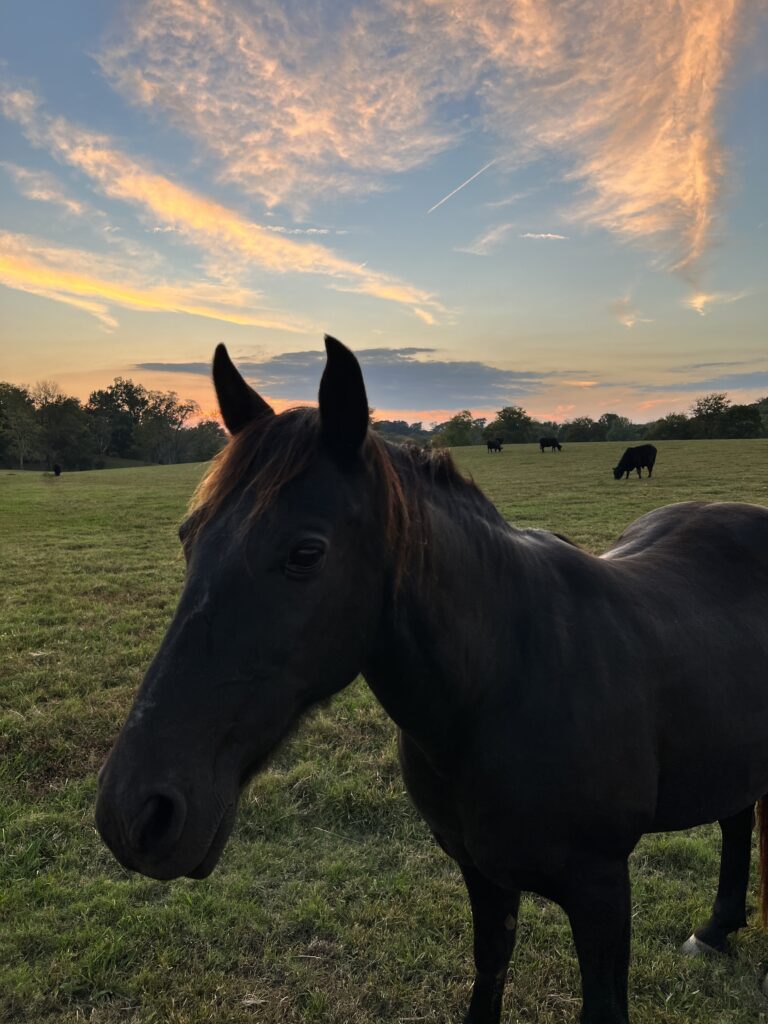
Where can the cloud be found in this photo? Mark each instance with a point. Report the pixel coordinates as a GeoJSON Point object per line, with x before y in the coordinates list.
{"type": "Point", "coordinates": [544, 236]}
{"type": "Point", "coordinates": [626, 313]}
{"type": "Point", "coordinates": [395, 378]}
{"type": "Point", "coordinates": [96, 283]}
{"type": "Point", "coordinates": [327, 99]}
{"type": "Point", "coordinates": [42, 187]}
{"type": "Point", "coordinates": [488, 241]}
{"type": "Point", "coordinates": [516, 197]}
{"type": "Point", "coordinates": [224, 235]}
{"type": "Point", "coordinates": [700, 301]}
{"type": "Point", "coordinates": [321, 99]}
{"type": "Point", "coordinates": [754, 380]}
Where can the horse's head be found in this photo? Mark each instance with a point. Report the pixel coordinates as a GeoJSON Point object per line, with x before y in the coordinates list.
{"type": "Point", "coordinates": [288, 562]}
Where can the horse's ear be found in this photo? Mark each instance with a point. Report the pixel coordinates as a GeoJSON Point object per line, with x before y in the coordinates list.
{"type": "Point", "coordinates": [343, 401]}
{"type": "Point", "coordinates": [238, 402]}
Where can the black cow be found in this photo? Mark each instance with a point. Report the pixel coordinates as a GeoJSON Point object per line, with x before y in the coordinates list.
{"type": "Point", "coordinates": [550, 442]}
{"type": "Point", "coordinates": [494, 445]}
{"type": "Point", "coordinates": [643, 455]}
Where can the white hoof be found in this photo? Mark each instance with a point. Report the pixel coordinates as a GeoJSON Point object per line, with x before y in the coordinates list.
{"type": "Point", "coordinates": [695, 947]}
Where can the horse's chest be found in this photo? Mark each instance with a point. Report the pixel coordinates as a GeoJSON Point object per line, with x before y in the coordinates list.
{"type": "Point", "coordinates": [434, 794]}
{"type": "Point", "coordinates": [481, 819]}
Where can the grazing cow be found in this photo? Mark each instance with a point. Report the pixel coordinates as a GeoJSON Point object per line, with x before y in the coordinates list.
{"type": "Point", "coordinates": [495, 444]}
{"type": "Point", "coordinates": [550, 442]}
{"type": "Point", "coordinates": [643, 455]}
{"type": "Point", "coordinates": [56, 469]}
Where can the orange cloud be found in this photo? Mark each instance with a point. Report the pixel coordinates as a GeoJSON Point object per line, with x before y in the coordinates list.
{"type": "Point", "coordinates": [625, 93]}
{"type": "Point", "coordinates": [223, 233]}
{"type": "Point", "coordinates": [290, 114]}
{"type": "Point", "coordinates": [70, 276]}
{"type": "Point", "coordinates": [700, 301]}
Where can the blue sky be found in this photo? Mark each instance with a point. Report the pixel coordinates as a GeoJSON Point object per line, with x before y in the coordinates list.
{"type": "Point", "coordinates": [177, 173]}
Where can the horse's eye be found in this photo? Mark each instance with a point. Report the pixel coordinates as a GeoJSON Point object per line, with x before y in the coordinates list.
{"type": "Point", "coordinates": [305, 558]}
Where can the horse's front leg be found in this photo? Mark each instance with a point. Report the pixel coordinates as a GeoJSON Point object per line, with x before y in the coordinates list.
{"type": "Point", "coordinates": [494, 919]}
{"type": "Point", "coordinates": [598, 904]}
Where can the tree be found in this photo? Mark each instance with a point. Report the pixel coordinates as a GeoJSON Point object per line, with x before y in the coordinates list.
{"type": "Point", "coordinates": [400, 431]}
{"type": "Point", "coordinates": [512, 424]}
{"type": "Point", "coordinates": [583, 428]}
{"type": "Point", "coordinates": [44, 392]}
{"type": "Point", "coordinates": [741, 421]}
{"type": "Point", "coordinates": [707, 414]}
{"type": "Point", "coordinates": [120, 408]}
{"type": "Point", "coordinates": [65, 433]}
{"type": "Point", "coordinates": [158, 434]}
{"type": "Point", "coordinates": [674, 427]}
{"type": "Point", "coordinates": [620, 428]}
{"type": "Point", "coordinates": [19, 429]}
{"type": "Point", "coordinates": [203, 441]}
{"type": "Point", "coordinates": [461, 429]}
{"type": "Point", "coordinates": [762, 408]}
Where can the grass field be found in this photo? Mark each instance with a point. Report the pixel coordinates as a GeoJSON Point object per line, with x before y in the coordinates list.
{"type": "Point", "coordinates": [331, 903]}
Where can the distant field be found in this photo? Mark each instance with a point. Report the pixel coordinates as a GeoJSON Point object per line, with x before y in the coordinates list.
{"type": "Point", "coordinates": [331, 903]}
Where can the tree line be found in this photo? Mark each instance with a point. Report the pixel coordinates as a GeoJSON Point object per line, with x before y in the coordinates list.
{"type": "Point", "coordinates": [710, 416]}
{"type": "Point", "coordinates": [42, 426]}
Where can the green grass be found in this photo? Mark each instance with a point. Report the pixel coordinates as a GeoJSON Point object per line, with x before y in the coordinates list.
{"type": "Point", "coordinates": [331, 903]}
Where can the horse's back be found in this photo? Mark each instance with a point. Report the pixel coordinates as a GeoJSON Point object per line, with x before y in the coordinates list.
{"type": "Point", "coordinates": [714, 535]}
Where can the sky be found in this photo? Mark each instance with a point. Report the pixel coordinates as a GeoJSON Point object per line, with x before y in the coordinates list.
{"type": "Point", "coordinates": [558, 204]}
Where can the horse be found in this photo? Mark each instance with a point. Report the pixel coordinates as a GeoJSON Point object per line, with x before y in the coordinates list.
{"type": "Point", "coordinates": [550, 442]}
{"type": "Point", "coordinates": [622, 694]}
{"type": "Point", "coordinates": [495, 444]}
{"type": "Point", "coordinates": [640, 457]}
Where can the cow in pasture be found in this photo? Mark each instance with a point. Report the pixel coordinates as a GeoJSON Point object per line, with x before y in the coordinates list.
{"type": "Point", "coordinates": [639, 457]}
{"type": "Point", "coordinates": [550, 442]}
{"type": "Point", "coordinates": [494, 444]}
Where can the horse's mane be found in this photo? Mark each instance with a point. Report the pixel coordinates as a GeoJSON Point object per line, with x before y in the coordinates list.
{"type": "Point", "coordinates": [268, 453]}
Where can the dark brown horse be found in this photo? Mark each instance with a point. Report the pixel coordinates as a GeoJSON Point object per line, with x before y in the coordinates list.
{"type": "Point", "coordinates": [615, 696]}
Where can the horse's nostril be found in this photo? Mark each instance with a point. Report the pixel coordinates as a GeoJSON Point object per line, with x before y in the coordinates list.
{"type": "Point", "coordinates": [159, 823]}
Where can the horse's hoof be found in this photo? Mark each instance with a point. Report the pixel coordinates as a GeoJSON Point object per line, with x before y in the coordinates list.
{"type": "Point", "coordinates": [695, 947]}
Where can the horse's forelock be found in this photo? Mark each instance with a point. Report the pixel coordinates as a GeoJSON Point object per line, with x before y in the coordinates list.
{"type": "Point", "coordinates": [265, 456]}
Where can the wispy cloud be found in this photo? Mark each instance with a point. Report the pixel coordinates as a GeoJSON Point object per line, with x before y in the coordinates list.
{"type": "Point", "coordinates": [42, 187]}
{"type": "Point", "coordinates": [298, 102]}
{"type": "Point", "coordinates": [487, 241]}
{"type": "Point", "coordinates": [544, 236]}
{"type": "Point", "coordinates": [626, 313]}
{"type": "Point", "coordinates": [220, 231]}
{"type": "Point", "coordinates": [516, 197]}
{"type": "Point", "coordinates": [701, 301]}
{"type": "Point", "coordinates": [295, 102]}
{"type": "Point", "coordinates": [98, 284]}
{"type": "Point", "coordinates": [756, 380]}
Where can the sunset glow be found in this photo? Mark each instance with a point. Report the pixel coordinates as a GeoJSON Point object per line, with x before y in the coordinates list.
{"type": "Point", "coordinates": [553, 204]}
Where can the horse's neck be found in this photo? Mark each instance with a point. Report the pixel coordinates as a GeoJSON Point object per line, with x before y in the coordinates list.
{"type": "Point", "coordinates": [447, 635]}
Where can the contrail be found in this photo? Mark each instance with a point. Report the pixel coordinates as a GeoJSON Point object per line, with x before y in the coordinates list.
{"type": "Point", "coordinates": [461, 186]}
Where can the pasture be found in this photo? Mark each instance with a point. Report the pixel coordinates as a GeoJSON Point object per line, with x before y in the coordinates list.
{"type": "Point", "coordinates": [331, 903]}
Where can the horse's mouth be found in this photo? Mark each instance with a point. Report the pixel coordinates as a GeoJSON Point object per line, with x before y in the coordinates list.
{"type": "Point", "coordinates": [216, 848]}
